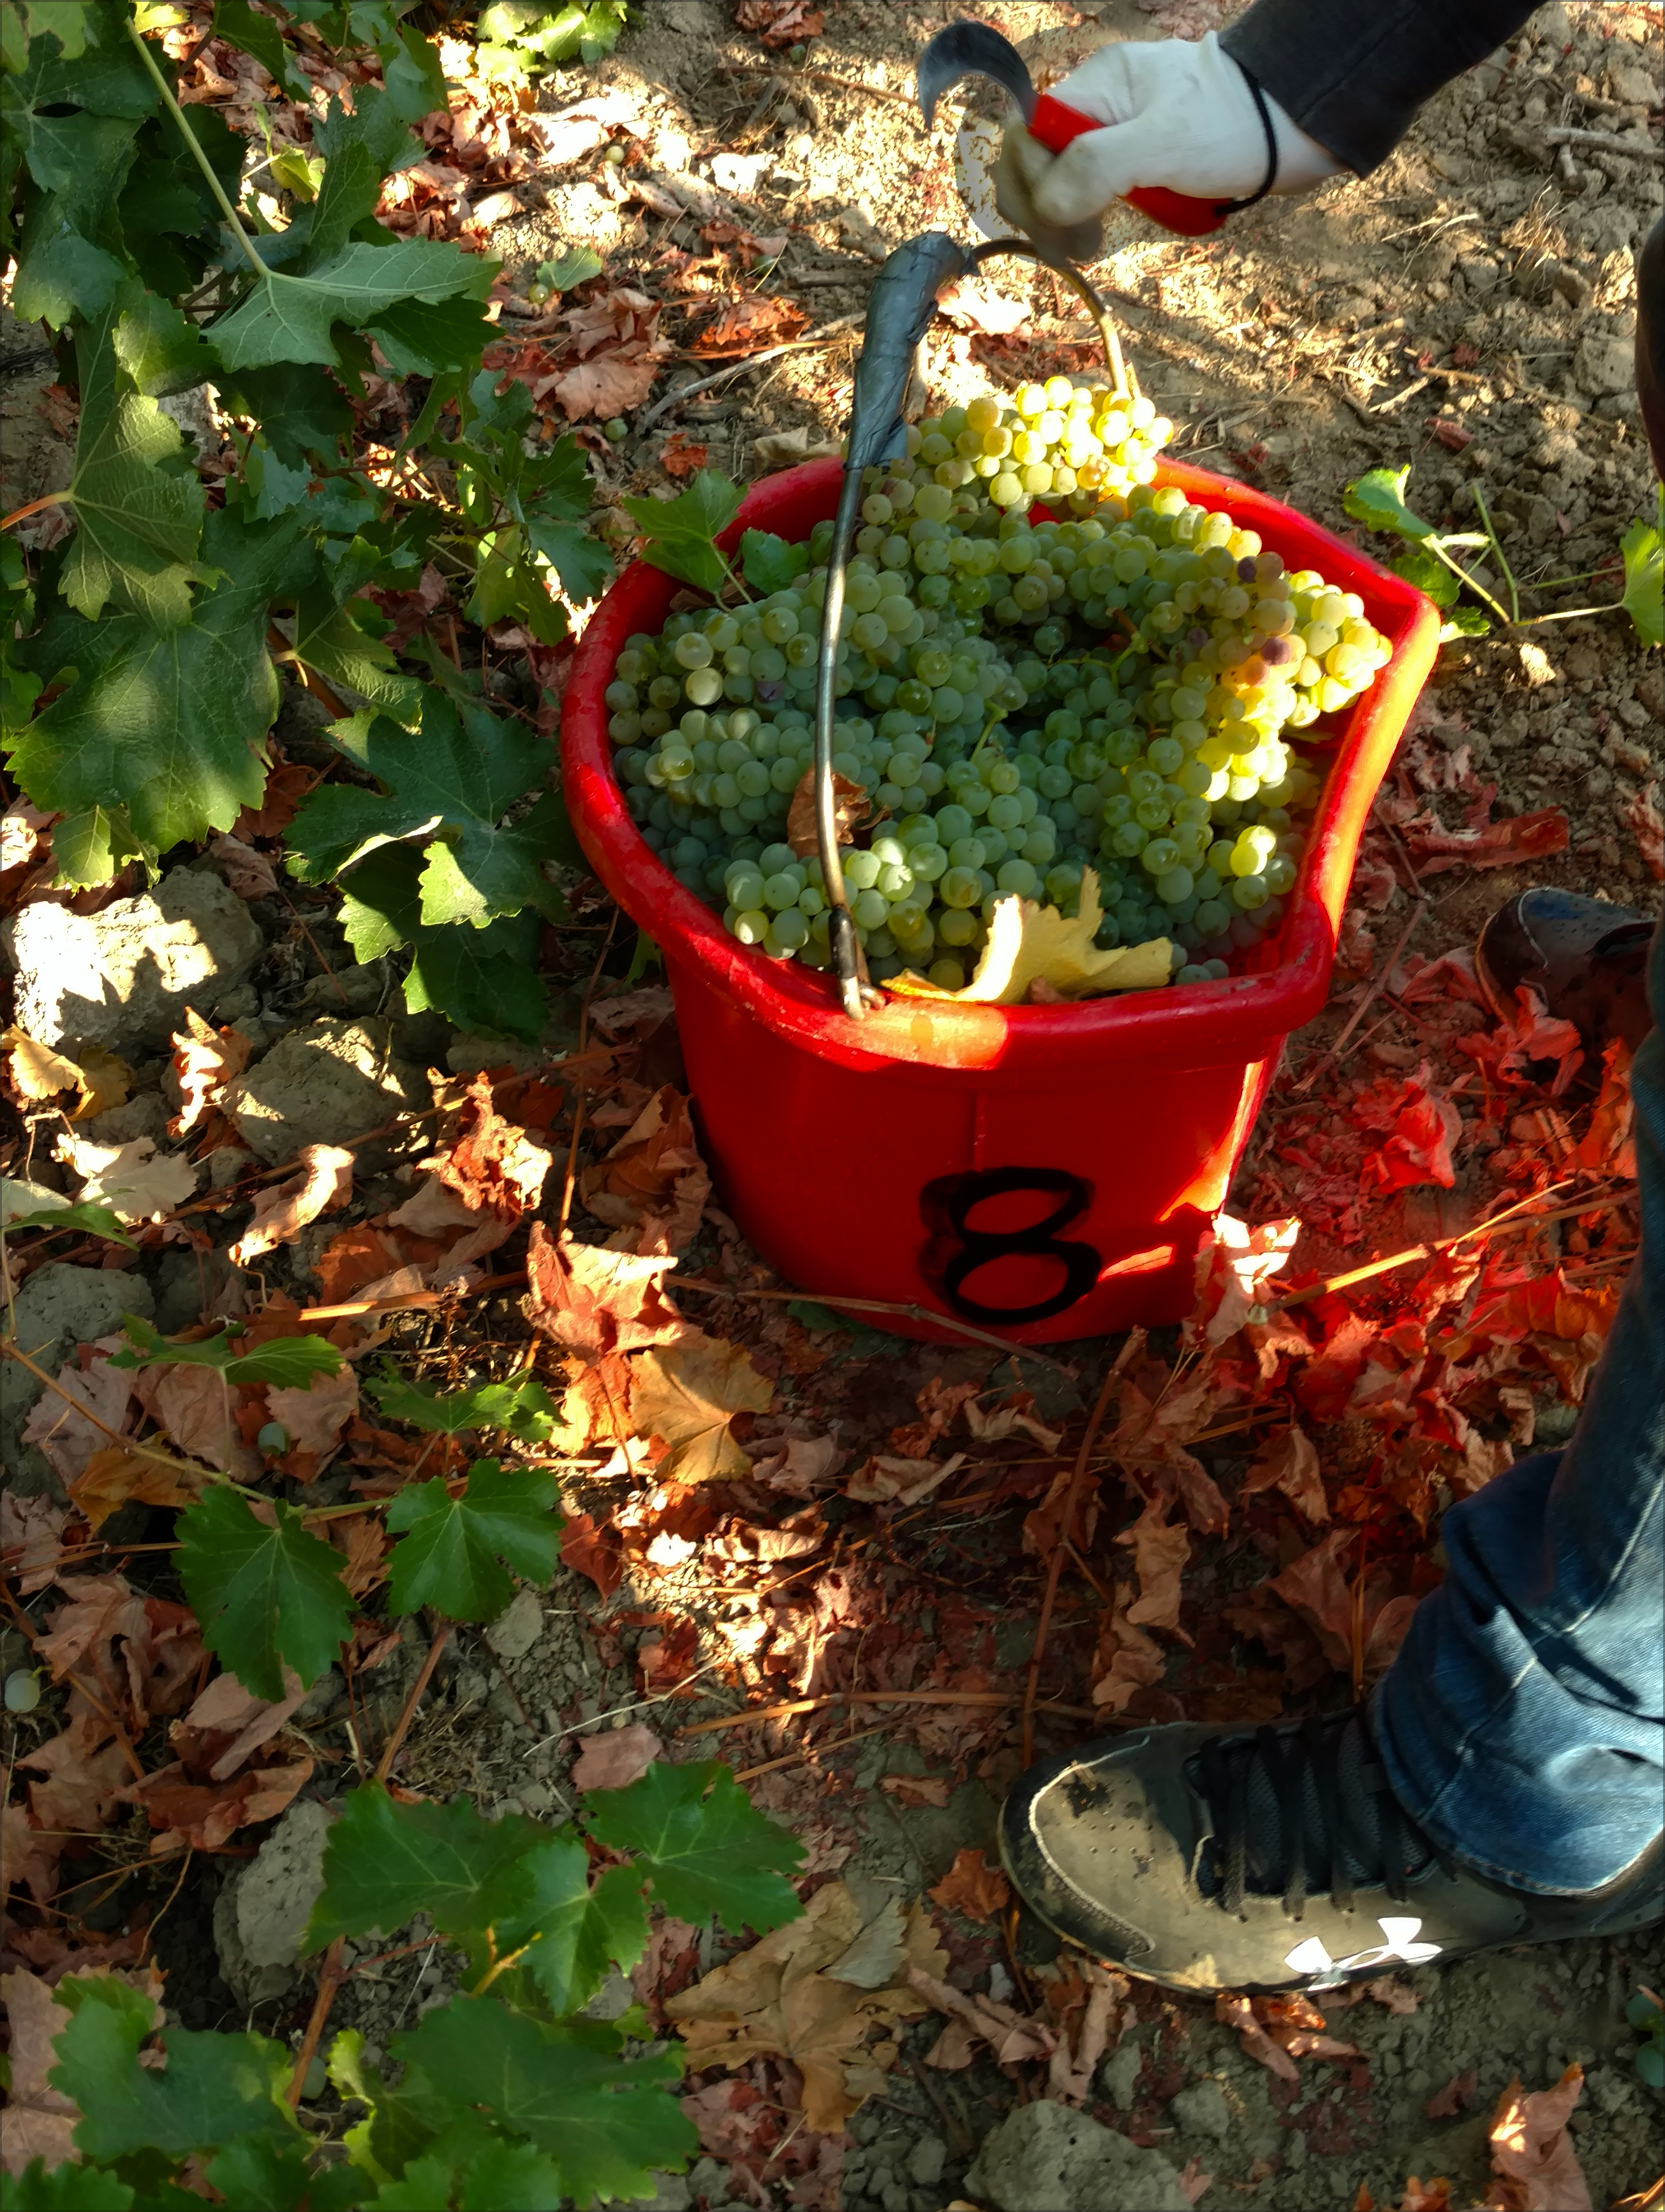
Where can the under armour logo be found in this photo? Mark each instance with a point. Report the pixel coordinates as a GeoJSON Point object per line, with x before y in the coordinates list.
{"type": "Point", "coordinates": [1399, 1942]}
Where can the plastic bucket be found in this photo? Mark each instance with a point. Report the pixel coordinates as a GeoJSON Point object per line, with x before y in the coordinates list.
{"type": "Point", "coordinates": [1040, 1172]}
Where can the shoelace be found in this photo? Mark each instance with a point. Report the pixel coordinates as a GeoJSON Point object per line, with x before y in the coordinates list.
{"type": "Point", "coordinates": [1288, 1757]}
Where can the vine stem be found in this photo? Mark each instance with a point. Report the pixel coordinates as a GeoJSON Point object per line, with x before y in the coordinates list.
{"type": "Point", "coordinates": [34, 506]}
{"type": "Point", "coordinates": [425, 1675]}
{"type": "Point", "coordinates": [1095, 1420]}
{"type": "Point", "coordinates": [196, 153]}
{"type": "Point", "coordinates": [330, 1976]}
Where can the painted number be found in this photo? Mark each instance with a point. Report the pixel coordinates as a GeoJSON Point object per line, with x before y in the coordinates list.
{"type": "Point", "coordinates": [957, 1249]}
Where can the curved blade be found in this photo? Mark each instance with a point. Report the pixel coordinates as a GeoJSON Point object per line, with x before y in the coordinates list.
{"type": "Point", "coordinates": [970, 49]}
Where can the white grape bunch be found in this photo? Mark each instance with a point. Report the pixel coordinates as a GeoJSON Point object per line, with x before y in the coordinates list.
{"type": "Point", "coordinates": [1107, 690]}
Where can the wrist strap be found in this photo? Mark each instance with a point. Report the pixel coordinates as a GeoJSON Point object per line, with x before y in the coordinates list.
{"type": "Point", "coordinates": [1233, 207]}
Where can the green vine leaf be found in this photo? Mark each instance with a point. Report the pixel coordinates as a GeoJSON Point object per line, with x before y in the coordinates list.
{"type": "Point", "coordinates": [164, 723]}
{"type": "Point", "coordinates": [606, 2121]}
{"type": "Point", "coordinates": [521, 1405]}
{"type": "Point", "coordinates": [1643, 549]}
{"type": "Point", "coordinates": [214, 2088]}
{"type": "Point", "coordinates": [681, 533]}
{"type": "Point", "coordinates": [288, 1362]}
{"type": "Point", "coordinates": [236, 22]}
{"type": "Point", "coordinates": [1378, 501]}
{"type": "Point", "coordinates": [385, 1862]}
{"type": "Point", "coordinates": [290, 318]}
{"type": "Point", "coordinates": [267, 1596]}
{"type": "Point", "coordinates": [450, 787]}
{"type": "Point", "coordinates": [576, 1930]}
{"type": "Point", "coordinates": [137, 500]}
{"type": "Point", "coordinates": [702, 1843]}
{"type": "Point", "coordinates": [484, 980]}
{"type": "Point", "coordinates": [70, 2188]}
{"type": "Point", "coordinates": [769, 563]}
{"type": "Point", "coordinates": [449, 1558]}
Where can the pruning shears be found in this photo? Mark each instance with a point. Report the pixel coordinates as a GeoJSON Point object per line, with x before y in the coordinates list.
{"type": "Point", "coordinates": [973, 49]}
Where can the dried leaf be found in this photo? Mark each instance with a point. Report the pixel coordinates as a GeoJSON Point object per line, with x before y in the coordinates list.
{"type": "Point", "coordinates": [1288, 1461]}
{"type": "Point", "coordinates": [1030, 943]}
{"type": "Point", "coordinates": [915, 1790]}
{"type": "Point", "coordinates": [1160, 1551]}
{"type": "Point", "coordinates": [753, 320]}
{"type": "Point", "coordinates": [1641, 811]}
{"type": "Point", "coordinates": [204, 1060]}
{"type": "Point", "coordinates": [688, 1394]}
{"type": "Point", "coordinates": [595, 1302]}
{"type": "Point", "coordinates": [1235, 1265]}
{"type": "Point", "coordinates": [1455, 2097]}
{"type": "Point", "coordinates": [227, 1724]}
{"type": "Point", "coordinates": [1012, 1416]}
{"type": "Point", "coordinates": [30, 1535]}
{"type": "Point", "coordinates": [116, 1476]}
{"type": "Point", "coordinates": [779, 1999]}
{"type": "Point", "coordinates": [972, 1886]}
{"type": "Point", "coordinates": [282, 1211]}
{"type": "Point", "coordinates": [779, 23]}
{"type": "Point", "coordinates": [679, 456]}
{"type": "Point", "coordinates": [885, 1480]}
{"type": "Point", "coordinates": [609, 386]}
{"type": "Point", "coordinates": [315, 1419]}
{"type": "Point", "coordinates": [1317, 1587]}
{"type": "Point", "coordinates": [596, 1551]}
{"type": "Point", "coordinates": [86, 1769]}
{"type": "Point", "coordinates": [1237, 2012]}
{"type": "Point", "coordinates": [68, 1436]}
{"type": "Point", "coordinates": [1608, 1145]}
{"type": "Point", "coordinates": [653, 1177]}
{"type": "Point", "coordinates": [98, 1077]}
{"type": "Point", "coordinates": [1532, 2150]}
{"type": "Point", "coordinates": [976, 2019]}
{"type": "Point", "coordinates": [134, 1180]}
{"type": "Point", "coordinates": [248, 874]}
{"type": "Point", "coordinates": [615, 1759]}
{"type": "Point", "coordinates": [851, 807]}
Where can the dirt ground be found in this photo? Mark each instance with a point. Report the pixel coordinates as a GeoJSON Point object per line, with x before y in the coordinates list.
{"type": "Point", "coordinates": [1469, 310]}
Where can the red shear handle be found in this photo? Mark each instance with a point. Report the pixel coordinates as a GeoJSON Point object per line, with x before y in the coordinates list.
{"type": "Point", "coordinates": [1055, 124]}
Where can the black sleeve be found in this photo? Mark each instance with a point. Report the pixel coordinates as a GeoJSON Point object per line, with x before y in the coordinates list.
{"type": "Point", "coordinates": [1352, 73]}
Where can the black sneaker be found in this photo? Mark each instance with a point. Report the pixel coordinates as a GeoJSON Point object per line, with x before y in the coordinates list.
{"type": "Point", "coordinates": [1587, 960]}
{"type": "Point", "coordinates": [1210, 1859]}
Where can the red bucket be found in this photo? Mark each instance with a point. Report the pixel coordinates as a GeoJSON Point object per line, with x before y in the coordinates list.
{"type": "Point", "coordinates": [1040, 1171]}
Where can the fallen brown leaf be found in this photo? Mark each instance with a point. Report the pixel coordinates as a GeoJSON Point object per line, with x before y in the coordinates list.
{"type": "Point", "coordinates": [1288, 1461]}
{"type": "Point", "coordinates": [595, 1301]}
{"type": "Point", "coordinates": [972, 1886]}
{"type": "Point", "coordinates": [851, 807]}
{"type": "Point", "coordinates": [785, 1997]}
{"type": "Point", "coordinates": [1235, 2012]}
{"type": "Point", "coordinates": [68, 1435]}
{"type": "Point", "coordinates": [1641, 811]}
{"type": "Point", "coordinates": [134, 1180]}
{"type": "Point", "coordinates": [1160, 1550]}
{"type": "Point", "coordinates": [596, 1552]}
{"type": "Point", "coordinates": [1455, 2097]}
{"type": "Point", "coordinates": [754, 319]}
{"type": "Point", "coordinates": [916, 1790]}
{"type": "Point", "coordinates": [687, 1395]}
{"type": "Point", "coordinates": [977, 2019]}
{"type": "Point", "coordinates": [98, 1077]}
{"type": "Point", "coordinates": [779, 23]}
{"type": "Point", "coordinates": [315, 1416]}
{"type": "Point", "coordinates": [1532, 2152]}
{"type": "Point", "coordinates": [610, 385]}
{"type": "Point", "coordinates": [248, 874]}
{"type": "Point", "coordinates": [654, 1178]}
{"type": "Point", "coordinates": [117, 1476]}
{"type": "Point", "coordinates": [283, 1211]}
{"type": "Point", "coordinates": [680, 456]}
{"type": "Point", "coordinates": [615, 1759]}
{"type": "Point", "coordinates": [204, 1060]}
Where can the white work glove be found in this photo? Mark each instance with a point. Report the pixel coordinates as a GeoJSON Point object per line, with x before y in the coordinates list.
{"type": "Point", "coordinates": [1178, 112]}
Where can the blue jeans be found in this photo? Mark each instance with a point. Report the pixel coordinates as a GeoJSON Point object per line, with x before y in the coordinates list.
{"type": "Point", "coordinates": [1523, 1721]}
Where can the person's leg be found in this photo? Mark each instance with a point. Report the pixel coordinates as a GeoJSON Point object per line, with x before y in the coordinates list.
{"type": "Point", "coordinates": [1522, 1723]}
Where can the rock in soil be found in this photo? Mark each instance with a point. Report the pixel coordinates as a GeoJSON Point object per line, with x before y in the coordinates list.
{"type": "Point", "coordinates": [261, 1915]}
{"type": "Point", "coordinates": [189, 943]}
{"type": "Point", "coordinates": [325, 1084]}
{"type": "Point", "coordinates": [1044, 2155]}
{"type": "Point", "coordinates": [58, 1308]}
{"type": "Point", "coordinates": [518, 1627]}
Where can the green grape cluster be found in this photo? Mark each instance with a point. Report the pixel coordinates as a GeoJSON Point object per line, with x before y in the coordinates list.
{"type": "Point", "coordinates": [1019, 703]}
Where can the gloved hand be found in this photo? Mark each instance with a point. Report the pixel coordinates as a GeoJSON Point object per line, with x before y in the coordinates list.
{"type": "Point", "coordinates": [1178, 112]}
